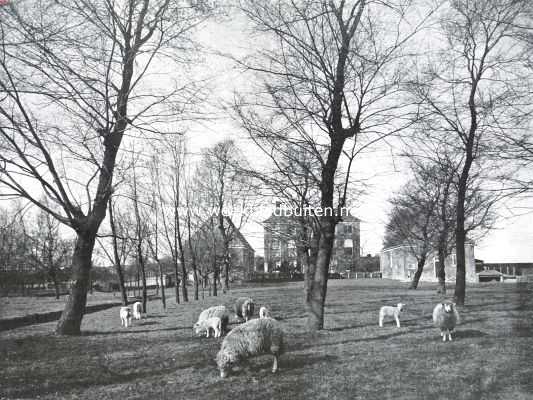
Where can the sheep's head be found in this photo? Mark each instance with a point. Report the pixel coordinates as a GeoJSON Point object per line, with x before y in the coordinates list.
{"type": "Point", "coordinates": [448, 307]}
{"type": "Point", "coordinates": [400, 306]}
{"type": "Point", "coordinates": [224, 360]}
{"type": "Point", "coordinates": [198, 328]}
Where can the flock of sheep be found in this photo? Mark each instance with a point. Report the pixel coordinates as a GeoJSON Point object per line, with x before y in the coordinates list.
{"type": "Point", "coordinates": [265, 335]}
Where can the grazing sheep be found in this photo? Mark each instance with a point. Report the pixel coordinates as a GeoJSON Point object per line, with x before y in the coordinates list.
{"type": "Point", "coordinates": [214, 323]}
{"type": "Point", "coordinates": [244, 308]}
{"type": "Point", "coordinates": [217, 311]}
{"type": "Point", "coordinates": [137, 310]}
{"type": "Point", "coordinates": [253, 338]}
{"type": "Point", "coordinates": [388, 311]}
{"type": "Point", "coordinates": [264, 313]}
{"type": "Point", "coordinates": [125, 316]}
{"type": "Point", "coordinates": [446, 317]}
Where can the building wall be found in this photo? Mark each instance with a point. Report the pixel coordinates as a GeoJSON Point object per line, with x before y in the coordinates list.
{"type": "Point", "coordinates": [280, 246]}
{"type": "Point", "coordinates": [398, 263]}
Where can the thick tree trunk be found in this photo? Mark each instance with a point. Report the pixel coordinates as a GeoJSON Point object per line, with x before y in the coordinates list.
{"type": "Point", "coordinates": [460, 277]}
{"type": "Point", "coordinates": [70, 321]}
{"type": "Point", "coordinates": [317, 291]}
{"type": "Point", "coordinates": [460, 235]}
{"type": "Point", "coordinates": [418, 273]}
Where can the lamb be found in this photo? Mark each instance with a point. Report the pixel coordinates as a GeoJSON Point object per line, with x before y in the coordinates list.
{"type": "Point", "coordinates": [244, 308]}
{"type": "Point", "coordinates": [125, 316]}
{"type": "Point", "coordinates": [388, 311]}
{"type": "Point", "coordinates": [137, 310]}
{"type": "Point", "coordinates": [264, 313]}
{"type": "Point", "coordinates": [214, 323]}
{"type": "Point", "coordinates": [253, 338]}
{"type": "Point", "coordinates": [217, 311]}
{"type": "Point", "coordinates": [446, 317]}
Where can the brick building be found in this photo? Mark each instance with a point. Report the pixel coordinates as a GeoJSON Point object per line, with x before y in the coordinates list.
{"type": "Point", "coordinates": [280, 234]}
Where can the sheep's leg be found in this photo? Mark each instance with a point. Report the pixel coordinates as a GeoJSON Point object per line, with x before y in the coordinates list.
{"type": "Point", "coordinates": [381, 321]}
{"type": "Point", "coordinates": [443, 334]}
{"type": "Point", "coordinates": [397, 321]}
{"type": "Point", "coordinates": [275, 364]}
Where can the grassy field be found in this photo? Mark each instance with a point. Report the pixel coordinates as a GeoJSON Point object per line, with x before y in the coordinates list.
{"type": "Point", "coordinates": [491, 356]}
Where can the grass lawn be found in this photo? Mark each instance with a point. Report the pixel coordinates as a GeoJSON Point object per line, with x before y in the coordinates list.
{"type": "Point", "coordinates": [491, 356]}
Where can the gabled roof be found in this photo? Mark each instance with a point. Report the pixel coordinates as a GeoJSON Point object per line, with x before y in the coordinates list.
{"type": "Point", "coordinates": [212, 223]}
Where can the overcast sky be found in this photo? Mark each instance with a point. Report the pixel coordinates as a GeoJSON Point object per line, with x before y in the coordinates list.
{"type": "Point", "coordinates": [511, 241]}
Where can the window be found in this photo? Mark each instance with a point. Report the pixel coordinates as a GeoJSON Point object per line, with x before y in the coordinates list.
{"type": "Point", "coordinates": [348, 243]}
{"type": "Point", "coordinates": [435, 265]}
{"type": "Point", "coordinates": [348, 251]}
{"type": "Point", "coordinates": [275, 244]}
{"type": "Point", "coordinates": [348, 229]}
{"type": "Point", "coordinates": [454, 259]}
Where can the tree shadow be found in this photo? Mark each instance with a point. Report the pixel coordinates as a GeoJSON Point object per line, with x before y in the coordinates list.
{"type": "Point", "coordinates": [468, 333]}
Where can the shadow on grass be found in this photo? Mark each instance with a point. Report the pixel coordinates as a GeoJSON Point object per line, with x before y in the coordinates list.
{"type": "Point", "coordinates": [17, 322]}
{"type": "Point", "coordinates": [468, 333]}
{"type": "Point", "coordinates": [124, 331]}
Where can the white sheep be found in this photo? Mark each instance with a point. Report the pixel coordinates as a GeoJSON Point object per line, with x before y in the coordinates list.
{"type": "Point", "coordinates": [214, 323]}
{"type": "Point", "coordinates": [137, 310]}
{"type": "Point", "coordinates": [217, 311]}
{"type": "Point", "coordinates": [253, 338]}
{"type": "Point", "coordinates": [446, 317]}
{"type": "Point", "coordinates": [244, 308]}
{"type": "Point", "coordinates": [125, 316]}
{"type": "Point", "coordinates": [388, 311]}
{"type": "Point", "coordinates": [264, 312]}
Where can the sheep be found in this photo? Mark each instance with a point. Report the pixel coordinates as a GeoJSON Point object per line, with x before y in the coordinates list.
{"type": "Point", "coordinates": [137, 310]}
{"type": "Point", "coordinates": [264, 312]}
{"type": "Point", "coordinates": [253, 338]}
{"type": "Point", "coordinates": [446, 317]}
{"type": "Point", "coordinates": [214, 323]}
{"type": "Point", "coordinates": [244, 308]}
{"type": "Point", "coordinates": [388, 311]}
{"type": "Point", "coordinates": [217, 311]}
{"type": "Point", "coordinates": [125, 316]}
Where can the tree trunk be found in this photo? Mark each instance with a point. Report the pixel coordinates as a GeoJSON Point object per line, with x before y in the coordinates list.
{"type": "Point", "coordinates": [118, 265]}
{"type": "Point", "coordinates": [162, 283]}
{"type": "Point", "coordinates": [418, 273]}
{"type": "Point", "coordinates": [226, 272]}
{"type": "Point", "coordinates": [53, 276]}
{"type": "Point", "coordinates": [195, 276]}
{"type": "Point", "coordinates": [441, 271]}
{"type": "Point", "coordinates": [215, 277]}
{"type": "Point", "coordinates": [184, 281]}
{"type": "Point", "coordinates": [70, 321]}
{"type": "Point", "coordinates": [319, 277]}
{"type": "Point", "coordinates": [460, 235]}
{"type": "Point", "coordinates": [177, 278]}
{"type": "Point", "coordinates": [143, 280]}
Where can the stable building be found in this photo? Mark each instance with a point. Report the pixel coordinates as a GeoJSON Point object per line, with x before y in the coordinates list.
{"type": "Point", "coordinates": [399, 263]}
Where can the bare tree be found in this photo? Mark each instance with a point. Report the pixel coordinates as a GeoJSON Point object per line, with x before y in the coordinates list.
{"type": "Point", "coordinates": [468, 91]}
{"type": "Point", "coordinates": [328, 81]}
{"type": "Point", "coordinates": [168, 175]}
{"type": "Point", "coordinates": [49, 251]}
{"type": "Point", "coordinates": [87, 73]}
{"type": "Point", "coordinates": [227, 192]}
